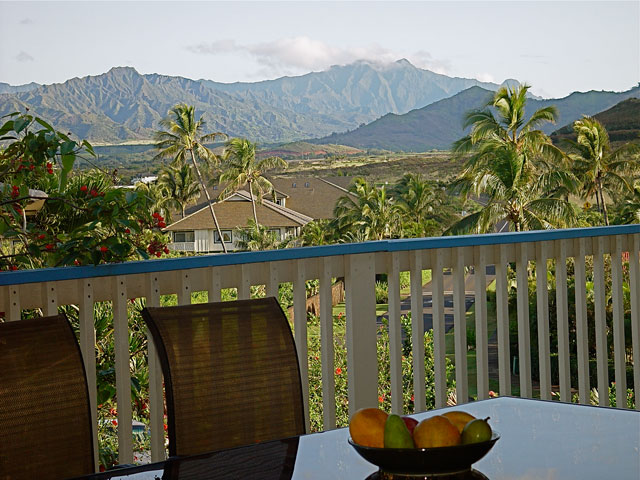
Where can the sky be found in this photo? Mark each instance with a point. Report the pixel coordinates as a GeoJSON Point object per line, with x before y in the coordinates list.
{"type": "Point", "coordinates": [557, 47]}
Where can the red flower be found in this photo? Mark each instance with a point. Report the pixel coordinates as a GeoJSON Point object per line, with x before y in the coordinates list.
{"type": "Point", "coordinates": [41, 236]}
{"type": "Point", "coordinates": [103, 249]}
{"type": "Point", "coordinates": [156, 215]}
{"type": "Point", "coordinates": [93, 192]}
{"type": "Point", "coordinates": [115, 423]}
{"type": "Point", "coordinates": [380, 399]}
{"type": "Point", "coordinates": [338, 371]}
{"type": "Point", "coordinates": [49, 246]}
{"type": "Point", "coordinates": [166, 250]}
{"type": "Point", "coordinates": [83, 188]}
{"type": "Point", "coordinates": [126, 230]}
{"type": "Point", "coordinates": [158, 254]}
{"type": "Point", "coordinates": [412, 399]}
{"type": "Point", "coordinates": [76, 262]}
{"type": "Point", "coordinates": [162, 224]}
{"type": "Point", "coordinates": [165, 427]}
{"type": "Point", "coordinates": [13, 267]}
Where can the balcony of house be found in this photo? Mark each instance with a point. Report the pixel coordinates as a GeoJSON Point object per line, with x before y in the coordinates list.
{"type": "Point", "coordinates": [551, 314]}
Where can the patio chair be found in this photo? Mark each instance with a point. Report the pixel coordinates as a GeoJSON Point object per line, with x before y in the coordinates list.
{"type": "Point", "coordinates": [45, 421]}
{"type": "Point", "coordinates": [231, 374]}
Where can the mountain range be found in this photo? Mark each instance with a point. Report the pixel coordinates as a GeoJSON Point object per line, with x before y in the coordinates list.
{"type": "Point", "coordinates": [394, 106]}
{"type": "Point", "coordinates": [123, 105]}
{"type": "Point", "coordinates": [438, 125]}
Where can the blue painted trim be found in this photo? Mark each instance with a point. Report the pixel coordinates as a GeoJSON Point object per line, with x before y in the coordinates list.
{"type": "Point", "coordinates": [172, 264]}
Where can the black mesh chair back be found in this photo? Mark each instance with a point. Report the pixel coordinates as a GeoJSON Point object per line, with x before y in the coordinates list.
{"type": "Point", "coordinates": [45, 421]}
{"type": "Point", "coordinates": [231, 374]}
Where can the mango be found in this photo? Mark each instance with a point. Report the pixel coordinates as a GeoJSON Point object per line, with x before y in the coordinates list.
{"type": "Point", "coordinates": [396, 433]}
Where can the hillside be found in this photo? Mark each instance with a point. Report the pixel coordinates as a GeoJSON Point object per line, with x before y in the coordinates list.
{"type": "Point", "coordinates": [622, 121]}
{"type": "Point", "coordinates": [123, 105]}
{"type": "Point", "coordinates": [438, 125]}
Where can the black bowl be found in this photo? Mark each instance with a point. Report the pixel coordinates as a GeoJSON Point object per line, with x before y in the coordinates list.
{"type": "Point", "coordinates": [426, 461]}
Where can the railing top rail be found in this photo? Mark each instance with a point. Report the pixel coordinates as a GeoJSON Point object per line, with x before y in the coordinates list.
{"type": "Point", "coordinates": [172, 264]}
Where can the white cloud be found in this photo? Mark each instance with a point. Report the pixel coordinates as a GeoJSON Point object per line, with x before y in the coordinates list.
{"type": "Point", "coordinates": [485, 77]}
{"type": "Point", "coordinates": [294, 55]}
{"type": "Point", "coordinates": [24, 57]}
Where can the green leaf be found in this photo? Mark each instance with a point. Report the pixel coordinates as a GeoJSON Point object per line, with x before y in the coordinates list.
{"type": "Point", "coordinates": [44, 124]}
{"type": "Point", "coordinates": [88, 147]}
{"type": "Point", "coordinates": [7, 127]}
{"type": "Point", "coordinates": [20, 124]}
{"type": "Point", "coordinates": [67, 147]}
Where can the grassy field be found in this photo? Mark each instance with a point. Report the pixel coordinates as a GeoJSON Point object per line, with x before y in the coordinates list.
{"type": "Point", "coordinates": [379, 168]}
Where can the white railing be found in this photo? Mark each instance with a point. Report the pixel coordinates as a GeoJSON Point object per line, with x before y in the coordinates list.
{"type": "Point", "coordinates": [358, 264]}
{"type": "Point", "coordinates": [182, 246]}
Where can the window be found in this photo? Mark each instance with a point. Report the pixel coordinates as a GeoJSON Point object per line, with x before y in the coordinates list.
{"type": "Point", "coordinates": [280, 201]}
{"type": "Point", "coordinates": [180, 237]}
{"type": "Point", "coordinates": [293, 185]}
{"type": "Point", "coordinates": [226, 235]}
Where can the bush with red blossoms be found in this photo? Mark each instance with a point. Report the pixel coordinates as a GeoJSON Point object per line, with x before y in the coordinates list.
{"type": "Point", "coordinates": [84, 219]}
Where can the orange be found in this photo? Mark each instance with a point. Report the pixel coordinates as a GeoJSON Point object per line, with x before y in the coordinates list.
{"type": "Point", "coordinates": [459, 419]}
{"type": "Point", "coordinates": [436, 431]}
{"type": "Point", "coordinates": [367, 427]}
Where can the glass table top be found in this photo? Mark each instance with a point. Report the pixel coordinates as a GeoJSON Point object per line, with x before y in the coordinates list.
{"type": "Point", "coordinates": [539, 440]}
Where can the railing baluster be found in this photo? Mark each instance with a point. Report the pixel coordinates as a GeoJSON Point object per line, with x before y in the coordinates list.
{"type": "Point", "coordinates": [582, 328]}
{"type": "Point", "coordinates": [542, 303]}
{"type": "Point", "coordinates": [15, 311]}
{"type": "Point", "coordinates": [300, 331]}
{"type": "Point", "coordinates": [395, 331]}
{"type": "Point", "coordinates": [460, 326]}
{"type": "Point", "coordinates": [272, 286]}
{"type": "Point", "coordinates": [49, 294]}
{"type": "Point", "coordinates": [482, 354]}
{"type": "Point", "coordinates": [156, 401]}
{"type": "Point", "coordinates": [502, 314]}
{"type": "Point", "coordinates": [123, 375]}
{"type": "Point", "coordinates": [326, 346]}
{"type": "Point", "coordinates": [618, 324]}
{"type": "Point", "coordinates": [439, 350]}
{"type": "Point", "coordinates": [601, 321]}
{"type": "Point", "coordinates": [88, 348]}
{"type": "Point", "coordinates": [215, 285]}
{"type": "Point", "coordinates": [244, 289]}
{"type": "Point", "coordinates": [524, 336]}
{"type": "Point", "coordinates": [634, 289]}
{"type": "Point", "coordinates": [563, 321]}
{"type": "Point", "coordinates": [417, 331]}
{"type": "Point", "coordinates": [360, 303]}
{"type": "Point", "coordinates": [184, 287]}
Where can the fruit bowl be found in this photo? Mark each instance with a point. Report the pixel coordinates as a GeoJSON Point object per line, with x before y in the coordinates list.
{"type": "Point", "coordinates": [426, 461]}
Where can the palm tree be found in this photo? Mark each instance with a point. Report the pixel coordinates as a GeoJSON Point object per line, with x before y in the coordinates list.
{"type": "Point", "coordinates": [369, 211]}
{"type": "Point", "coordinates": [600, 169]}
{"type": "Point", "coordinates": [182, 189]}
{"type": "Point", "coordinates": [158, 198]}
{"type": "Point", "coordinates": [240, 167]}
{"type": "Point", "coordinates": [317, 232]}
{"type": "Point", "coordinates": [182, 138]}
{"type": "Point", "coordinates": [258, 237]}
{"type": "Point", "coordinates": [513, 168]}
{"type": "Point", "coordinates": [509, 128]}
{"type": "Point", "coordinates": [630, 208]}
{"type": "Point", "coordinates": [423, 205]}
{"type": "Point", "coordinates": [510, 190]}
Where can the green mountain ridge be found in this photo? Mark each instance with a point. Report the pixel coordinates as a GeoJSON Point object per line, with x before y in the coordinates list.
{"type": "Point", "coordinates": [622, 121]}
{"type": "Point", "coordinates": [438, 125]}
{"type": "Point", "coordinates": [123, 105]}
